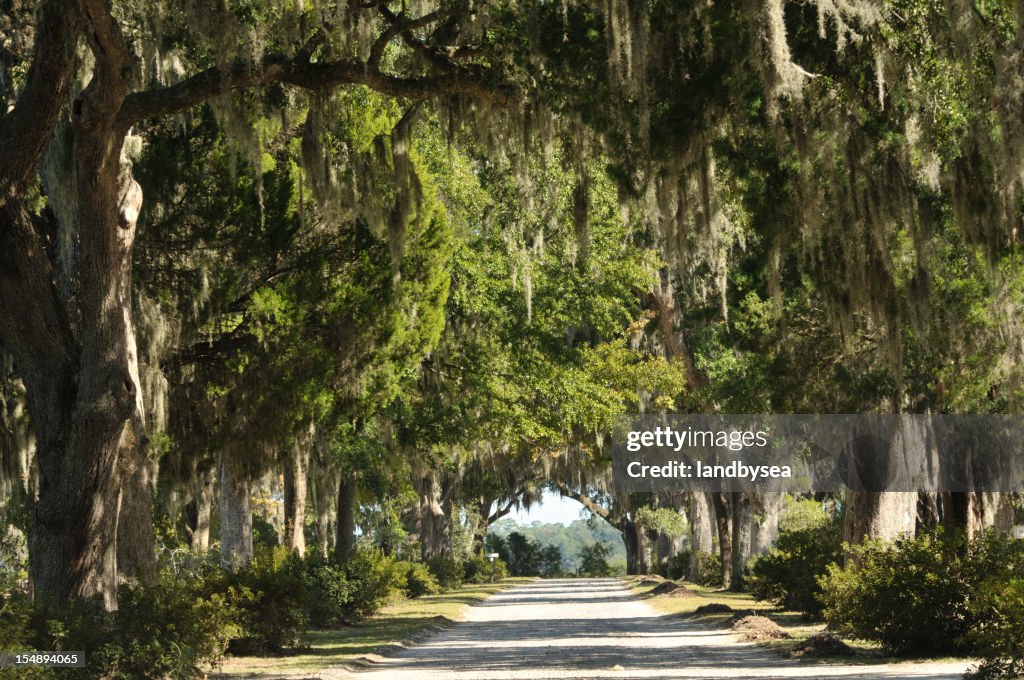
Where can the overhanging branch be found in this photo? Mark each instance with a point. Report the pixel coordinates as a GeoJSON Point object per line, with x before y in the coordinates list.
{"type": "Point", "coordinates": [309, 76]}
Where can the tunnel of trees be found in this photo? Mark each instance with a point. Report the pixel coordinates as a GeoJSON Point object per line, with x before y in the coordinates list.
{"type": "Point", "coordinates": [331, 275]}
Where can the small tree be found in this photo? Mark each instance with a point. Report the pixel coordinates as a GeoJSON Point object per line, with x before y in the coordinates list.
{"type": "Point", "coordinates": [594, 560]}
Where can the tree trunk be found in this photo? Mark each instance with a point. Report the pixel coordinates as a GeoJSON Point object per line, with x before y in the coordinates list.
{"type": "Point", "coordinates": [295, 486]}
{"type": "Point", "coordinates": [346, 540]}
{"type": "Point", "coordinates": [741, 537]}
{"type": "Point", "coordinates": [765, 528]}
{"type": "Point", "coordinates": [643, 550]}
{"type": "Point", "coordinates": [629, 539]}
{"type": "Point", "coordinates": [974, 512]}
{"type": "Point", "coordinates": [136, 549]}
{"type": "Point", "coordinates": [723, 527]}
{"type": "Point", "coordinates": [435, 532]}
{"type": "Point", "coordinates": [879, 515]}
{"type": "Point", "coordinates": [701, 532]}
{"type": "Point", "coordinates": [235, 508]}
{"type": "Point", "coordinates": [199, 538]}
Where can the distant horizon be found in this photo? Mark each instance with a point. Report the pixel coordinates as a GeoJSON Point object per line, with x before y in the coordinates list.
{"type": "Point", "coordinates": [552, 509]}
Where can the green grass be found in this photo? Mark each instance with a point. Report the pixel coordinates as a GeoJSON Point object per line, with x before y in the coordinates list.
{"type": "Point", "coordinates": [395, 623]}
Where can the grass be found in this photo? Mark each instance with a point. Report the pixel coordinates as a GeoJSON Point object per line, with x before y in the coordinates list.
{"type": "Point", "coordinates": [794, 623]}
{"type": "Point", "coordinates": [395, 623]}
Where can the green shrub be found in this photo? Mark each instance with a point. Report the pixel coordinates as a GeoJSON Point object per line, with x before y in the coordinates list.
{"type": "Point", "coordinates": [331, 593]}
{"type": "Point", "coordinates": [449, 572]}
{"type": "Point", "coordinates": [788, 574]}
{"type": "Point", "coordinates": [274, 598]}
{"type": "Point", "coordinates": [998, 632]}
{"type": "Point", "coordinates": [375, 579]}
{"type": "Point", "coordinates": [677, 566]}
{"type": "Point", "coordinates": [594, 560]}
{"type": "Point", "coordinates": [168, 628]}
{"type": "Point", "coordinates": [478, 569]}
{"type": "Point", "coordinates": [710, 571]}
{"type": "Point", "coordinates": [419, 580]}
{"type": "Point", "coordinates": [916, 595]}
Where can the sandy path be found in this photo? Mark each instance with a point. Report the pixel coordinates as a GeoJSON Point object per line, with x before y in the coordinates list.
{"type": "Point", "coordinates": [594, 629]}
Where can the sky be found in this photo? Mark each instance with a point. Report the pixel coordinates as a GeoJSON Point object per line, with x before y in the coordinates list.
{"type": "Point", "coordinates": [552, 508]}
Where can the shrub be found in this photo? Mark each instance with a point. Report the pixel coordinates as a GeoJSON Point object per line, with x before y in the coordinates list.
{"type": "Point", "coordinates": [375, 580]}
{"type": "Point", "coordinates": [788, 574]}
{"type": "Point", "coordinates": [677, 566]}
{"type": "Point", "coordinates": [916, 595]}
{"type": "Point", "coordinates": [274, 598]}
{"type": "Point", "coordinates": [330, 591]}
{"type": "Point", "coordinates": [998, 633]}
{"type": "Point", "coordinates": [710, 571]}
{"type": "Point", "coordinates": [594, 560]}
{"type": "Point", "coordinates": [448, 572]}
{"type": "Point", "coordinates": [168, 628]}
{"type": "Point", "coordinates": [419, 580]}
{"type": "Point", "coordinates": [478, 569]}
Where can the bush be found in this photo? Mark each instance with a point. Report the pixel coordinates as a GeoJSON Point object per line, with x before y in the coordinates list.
{"type": "Point", "coordinates": [375, 580]}
{"type": "Point", "coordinates": [594, 560]}
{"type": "Point", "coordinates": [788, 574]}
{"type": "Point", "coordinates": [677, 566]}
{"type": "Point", "coordinates": [330, 591]}
{"type": "Point", "coordinates": [274, 598]}
{"type": "Point", "coordinates": [168, 628]}
{"type": "Point", "coordinates": [710, 571]}
{"type": "Point", "coordinates": [478, 569]}
{"type": "Point", "coordinates": [448, 572]}
{"type": "Point", "coordinates": [916, 595]}
{"type": "Point", "coordinates": [998, 633]}
{"type": "Point", "coordinates": [419, 580]}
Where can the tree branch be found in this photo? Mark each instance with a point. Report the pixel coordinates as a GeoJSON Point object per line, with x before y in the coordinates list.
{"type": "Point", "coordinates": [588, 502]}
{"type": "Point", "coordinates": [25, 129]}
{"type": "Point", "coordinates": [309, 76]}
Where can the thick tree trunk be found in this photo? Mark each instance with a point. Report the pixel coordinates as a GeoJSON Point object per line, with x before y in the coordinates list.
{"type": "Point", "coordinates": [629, 539]}
{"type": "Point", "coordinates": [435, 531]}
{"type": "Point", "coordinates": [723, 528]}
{"type": "Point", "coordinates": [701, 532]}
{"type": "Point", "coordinates": [643, 550]}
{"type": "Point", "coordinates": [295, 486]}
{"type": "Point", "coordinates": [742, 518]}
{"type": "Point", "coordinates": [879, 515]}
{"type": "Point", "coordinates": [202, 502]}
{"type": "Point", "coordinates": [235, 508]}
{"type": "Point", "coordinates": [346, 540]}
{"type": "Point", "coordinates": [136, 549]}
{"type": "Point", "coordinates": [765, 529]}
{"type": "Point", "coordinates": [975, 512]}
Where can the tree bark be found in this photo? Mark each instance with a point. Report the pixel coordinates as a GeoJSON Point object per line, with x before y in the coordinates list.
{"type": "Point", "coordinates": [136, 548]}
{"type": "Point", "coordinates": [295, 485]}
{"type": "Point", "coordinates": [879, 515]}
{"type": "Point", "coordinates": [199, 535]}
{"type": "Point", "coordinates": [765, 528]}
{"type": "Point", "coordinates": [701, 532]}
{"type": "Point", "coordinates": [741, 537]}
{"type": "Point", "coordinates": [435, 531]}
{"type": "Point", "coordinates": [723, 528]}
{"type": "Point", "coordinates": [235, 508]}
{"type": "Point", "coordinates": [346, 540]}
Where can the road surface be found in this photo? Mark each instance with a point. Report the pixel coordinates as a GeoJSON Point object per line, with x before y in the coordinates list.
{"type": "Point", "coordinates": [594, 628]}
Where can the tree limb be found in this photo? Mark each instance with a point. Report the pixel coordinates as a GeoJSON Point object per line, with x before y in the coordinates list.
{"type": "Point", "coordinates": [309, 76]}
{"type": "Point", "coordinates": [25, 129]}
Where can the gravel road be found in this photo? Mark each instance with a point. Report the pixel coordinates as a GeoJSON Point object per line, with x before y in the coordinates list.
{"type": "Point", "coordinates": [594, 628]}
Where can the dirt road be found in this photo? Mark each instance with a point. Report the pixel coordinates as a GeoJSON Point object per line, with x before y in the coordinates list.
{"type": "Point", "coordinates": [594, 628]}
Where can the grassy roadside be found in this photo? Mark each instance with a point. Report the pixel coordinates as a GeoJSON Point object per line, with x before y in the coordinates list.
{"type": "Point", "coordinates": [795, 624]}
{"type": "Point", "coordinates": [398, 622]}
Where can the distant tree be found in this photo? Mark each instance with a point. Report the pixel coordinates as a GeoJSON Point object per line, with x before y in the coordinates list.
{"type": "Point", "coordinates": [594, 560]}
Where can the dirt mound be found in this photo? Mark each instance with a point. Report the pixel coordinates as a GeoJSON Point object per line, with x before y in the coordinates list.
{"type": "Point", "coordinates": [822, 644]}
{"type": "Point", "coordinates": [713, 608]}
{"type": "Point", "coordinates": [671, 588]}
{"type": "Point", "coordinates": [759, 628]}
{"type": "Point", "coordinates": [647, 580]}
